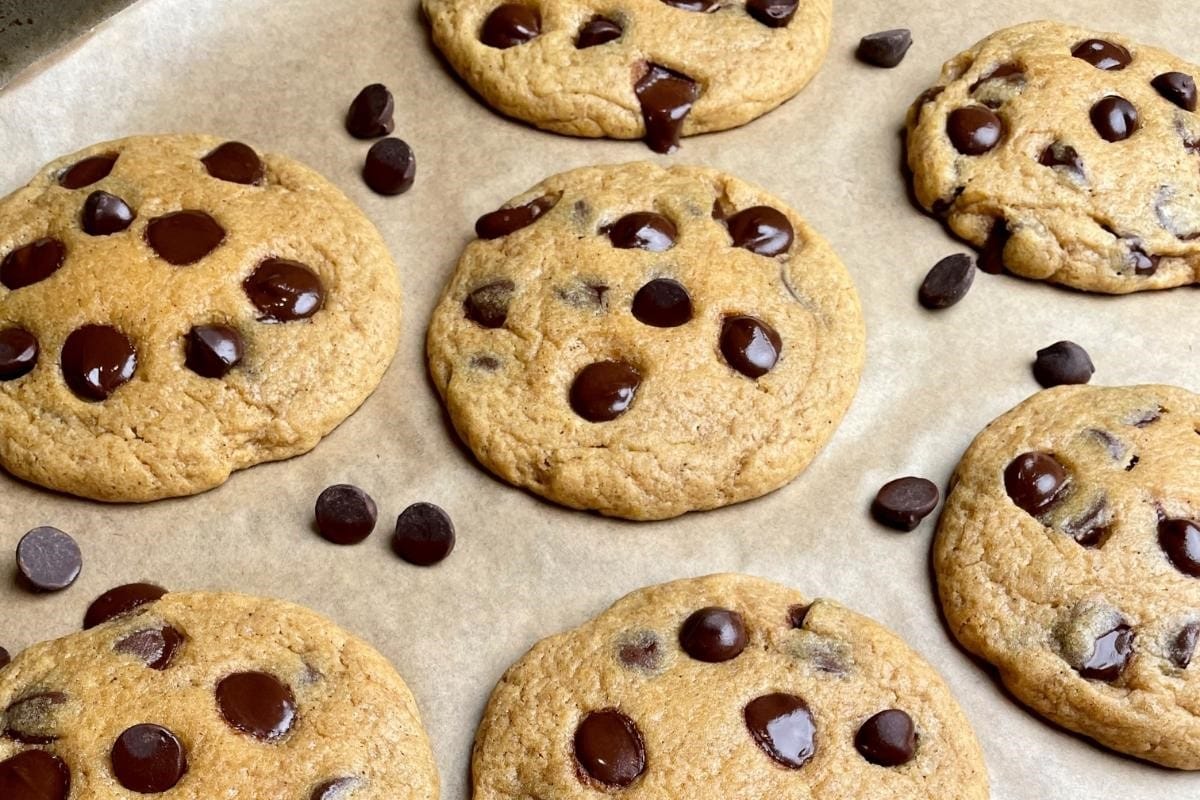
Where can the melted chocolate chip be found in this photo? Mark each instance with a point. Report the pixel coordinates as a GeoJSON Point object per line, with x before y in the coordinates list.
{"type": "Point", "coordinates": [284, 291]}
{"type": "Point", "coordinates": [1062, 363]}
{"type": "Point", "coordinates": [1183, 645]}
{"type": "Point", "coordinates": [211, 351]}
{"type": "Point", "coordinates": [1035, 481]}
{"type": "Point", "coordinates": [884, 49]}
{"type": "Point", "coordinates": [34, 775]}
{"type": "Point", "coordinates": [762, 230]}
{"type": "Point", "coordinates": [488, 305]}
{"type": "Point", "coordinates": [390, 168]}
{"type": "Point", "coordinates": [105, 214]}
{"type": "Point", "coordinates": [510, 25]}
{"type": "Point", "coordinates": [257, 704]}
{"type": "Point", "coordinates": [48, 559]}
{"type": "Point", "coordinates": [666, 98]}
{"type": "Point", "coordinates": [991, 256]}
{"type": "Point", "coordinates": [598, 31]}
{"type": "Point", "coordinates": [713, 635]}
{"type": "Point", "coordinates": [904, 502]}
{"type": "Point", "coordinates": [1142, 262]}
{"type": "Point", "coordinates": [1092, 527]}
{"type": "Point", "coordinates": [148, 759]}
{"type": "Point", "coordinates": [1114, 118]}
{"type": "Point", "coordinates": [1178, 87]}
{"type": "Point", "coordinates": [236, 163]}
{"type": "Point", "coordinates": [888, 739]}
{"type": "Point", "coordinates": [88, 171]}
{"type": "Point", "coordinates": [1180, 540]}
{"type": "Point", "coordinates": [370, 114]}
{"type": "Point", "coordinates": [772, 13]}
{"type": "Point", "coordinates": [97, 360]}
{"type": "Point", "coordinates": [154, 647]}
{"type": "Point", "coordinates": [345, 514]}
{"type": "Point", "coordinates": [18, 353]}
{"type": "Point", "coordinates": [1102, 54]}
{"type": "Point", "coordinates": [30, 719]}
{"type": "Point", "coordinates": [1110, 656]}
{"type": "Point", "coordinates": [120, 601]}
{"type": "Point", "coordinates": [605, 390]}
{"type": "Point", "coordinates": [184, 237]}
{"type": "Point", "coordinates": [974, 130]}
{"type": "Point", "coordinates": [702, 6]}
{"type": "Point", "coordinates": [662, 303]}
{"type": "Point", "coordinates": [947, 282]}
{"type": "Point", "coordinates": [504, 221]}
{"type": "Point", "coordinates": [750, 345]}
{"type": "Point", "coordinates": [783, 728]}
{"type": "Point", "coordinates": [335, 789]}
{"type": "Point", "coordinates": [1062, 156]}
{"type": "Point", "coordinates": [609, 748]}
{"type": "Point", "coordinates": [643, 230]}
{"type": "Point", "coordinates": [32, 263]}
{"type": "Point", "coordinates": [641, 650]}
{"type": "Point", "coordinates": [424, 535]}
{"type": "Point", "coordinates": [1007, 72]}
{"type": "Point", "coordinates": [797, 615]}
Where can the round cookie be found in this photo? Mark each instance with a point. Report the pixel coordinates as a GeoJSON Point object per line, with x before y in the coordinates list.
{"type": "Point", "coordinates": [1065, 155]}
{"type": "Point", "coordinates": [1068, 555]}
{"type": "Point", "coordinates": [725, 686]}
{"type": "Point", "coordinates": [212, 695]}
{"type": "Point", "coordinates": [173, 308]}
{"type": "Point", "coordinates": [645, 341]}
{"type": "Point", "coordinates": [646, 68]}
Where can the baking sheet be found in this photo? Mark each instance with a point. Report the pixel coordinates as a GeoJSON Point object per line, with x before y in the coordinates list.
{"type": "Point", "coordinates": [280, 75]}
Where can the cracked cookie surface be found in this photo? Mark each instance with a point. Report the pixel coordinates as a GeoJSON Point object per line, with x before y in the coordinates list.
{"type": "Point", "coordinates": [1068, 555]}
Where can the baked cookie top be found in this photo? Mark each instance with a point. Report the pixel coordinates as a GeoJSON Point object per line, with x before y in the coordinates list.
{"type": "Point", "coordinates": [1066, 155]}
{"type": "Point", "coordinates": [725, 686]}
{"type": "Point", "coordinates": [173, 308]}
{"type": "Point", "coordinates": [644, 341]}
{"type": "Point", "coordinates": [1068, 555]}
{"type": "Point", "coordinates": [211, 695]}
{"type": "Point", "coordinates": [648, 68]}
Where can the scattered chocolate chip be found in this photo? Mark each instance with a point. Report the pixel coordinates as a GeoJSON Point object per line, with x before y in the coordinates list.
{"type": "Point", "coordinates": [643, 230]}
{"type": "Point", "coordinates": [31, 719]}
{"type": "Point", "coordinates": [424, 535]}
{"type": "Point", "coordinates": [991, 257]}
{"type": "Point", "coordinates": [783, 727]}
{"type": "Point", "coordinates": [772, 13]}
{"type": "Point", "coordinates": [1178, 87]}
{"type": "Point", "coordinates": [345, 514]}
{"type": "Point", "coordinates": [236, 163]}
{"type": "Point", "coordinates": [1062, 156]}
{"type": "Point", "coordinates": [666, 98]}
{"type": "Point", "coordinates": [48, 559]}
{"type": "Point", "coordinates": [488, 305]}
{"type": "Point", "coordinates": [1142, 263]}
{"type": "Point", "coordinates": [797, 615]}
{"type": "Point", "coordinates": [257, 704]}
{"type": "Point", "coordinates": [604, 390]}
{"type": "Point", "coordinates": [1035, 481]}
{"type": "Point", "coordinates": [370, 114]}
{"type": "Point", "coordinates": [284, 290]}
{"type": "Point", "coordinates": [5, 658]}
{"type": "Point", "coordinates": [211, 351]}
{"type": "Point", "coordinates": [155, 647]}
{"type": "Point", "coordinates": [504, 221]}
{"type": "Point", "coordinates": [1110, 655]}
{"type": "Point", "coordinates": [1180, 540]}
{"type": "Point", "coordinates": [18, 353]}
{"type": "Point", "coordinates": [904, 502]}
{"type": "Point", "coordinates": [335, 789]}
{"type": "Point", "coordinates": [88, 171]}
{"type": "Point", "coordinates": [32, 263]}
{"type": "Point", "coordinates": [750, 345]}
{"type": "Point", "coordinates": [641, 650]}
{"type": "Point", "coordinates": [598, 31]}
{"type": "Point", "coordinates": [34, 775]}
{"type": "Point", "coordinates": [662, 303]}
{"type": "Point", "coordinates": [609, 748]}
{"type": "Point", "coordinates": [1092, 527]}
{"type": "Point", "coordinates": [184, 237]}
{"type": "Point", "coordinates": [888, 739]}
{"type": "Point", "coordinates": [391, 167]}
{"type": "Point", "coordinates": [105, 214]}
{"type": "Point", "coordinates": [120, 601]}
{"type": "Point", "coordinates": [1102, 54]}
{"type": "Point", "coordinates": [97, 360]}
{"type": "Point", "coordinates": [148, 759]}
{"type": "Point", "coordinates": [510, 25]}
{"type": "Point", "coordinates": [713, 635]}
{"type": "Point", "coordinates": [762, 230]}
{"type": "Point", "coordinates": [1062, 363]}
{"type": "Point", "coordinates": [974, 130]}
{"type": "Point", "coordinates": [884, 49]}
{"type": "Point", "coordinates": [947, 282]}
{"type": "Point", "coordinates": [1183, 645]}
{"type": "Point", "coordinates": [1114, 118]}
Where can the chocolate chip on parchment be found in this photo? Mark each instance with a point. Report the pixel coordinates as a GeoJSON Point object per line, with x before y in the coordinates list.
{"type": "Point", "coordinates": [120, 601]}
{"type": "Point", "coordinates": [48, 559]}
{"type": "Point", "coordinates": [1035, 481]}
{"type": "Point", "coordinates": [105, 214]}
{"type": "Point", "coordinates": [902, 503]}
{"type": "Point", "coordinates": [884, 49]}
{"type": "Point", "coordinates": [947, 282]}
{"type": "Point", "coordinates": [424, 534]}
{"type": "Point", "coordinates": [888, 739]}
{"type": "Point", "coordinates": [370, 113]}
{"type": "Point", "coordinates": [345, 514]}
{"type": "Point", "coordinates": [609, 748]}
{"type": "Point", "coordinates": [148, 759]}
{"type": "Point", "coordinates": [713, 635]}
{"type": "Point", "coordinates": [1062, 363]}
{"type": "Point", "coordinates": [783, 728]}
{"type": "Point", "coordinates": [390, 168]}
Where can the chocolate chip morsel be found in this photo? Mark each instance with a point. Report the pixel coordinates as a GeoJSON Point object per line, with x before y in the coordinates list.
{"type": "Point", "coordinates": [604, 390]}
{"type": "Point", "coordinates": [504, 221]}
{"type": "Point", "coordinates": [488, 305]}
{"type": "Point", "coordinates": [888, 739]}
{"type": "Point", "coordinates": [1035, 481]}
{"type": "Point", "coordinates": [211, 351]}
{"type": "Point", "coordinates": [345, 514]}
{"type": "Point", "coordinates": [148, 759]}
{"type": "Point", "coordinates": [284, 291]}
{"type": "Point", "coordinates": [762, 230]}
{"type": "Point", "coordinates": [35, 775]}
{"type": "Point", "coordinates": [1096, 640]}
{"type": "Point", "coordinates": [666, 98]}
{"type": "Point", "coordinates": [947, 282]}
{"type": "Point", "coordinates": [97, 360]}
{"type": "Point", "coordinates": [1115, 118]}
{"type": "Point", "coordinates": [1102, 54]}
{"type": "Point", "coordinates": [749, 345]}
{"type": "Point", "coordinates": [713, 635]}
{"type": "Point", "coordinates": [105, 214]}
{"type": "Point", "coordinates": [154, 647]}
{"type": "Point", "coordinates": [609, 749]}
{"type": "Point", "coordinates": [391, 167]}
{"type": "Point", "coordinates": [902, 503]}
{"type": "Point", "coordinates": [258, 704]}
{"type": "Point", "coordinates": [121, 601]}
{"type": "Point", "coordinates": [509, 25]}
{"type": "Point", "coordinates": [48, 559]}
{"type": "Point", "coordinates": [88, 171]}
{"type": "Point", "coordinates": [33, 717]}
{"type": "Point", "coordinates": [598, 31]}
{"type": "Point", "coordinates": [643, 230]}
{"type": "Point", "coordinates": [32, 263]}
{"type": "Point", "coordinates": [974, 130]}
{"type": "Point", "coordinates": [1180, 542]}
{"type": "Point", "coordinates": [235, 162]}
{"type": "Point", "coordinates": [783, 727]}
{"type": "Point", "coordinates": [1062, 363]}
{"type": "Point", "coordinates": [19, 352]}
{"type": "Point", "coordinates": [1178, 87]}
{"type": "Point", "coordinates": [1182, 646]}
{"type": "Point", "coordinates": [370, 113]}
{"type": "Point", "coordinates": [884, 49]}
{"type": "Point", "coordinates": [424, 535]}
{"type": "Point", "coordinates": [772, 13]}
{"type": "Point", "coordinates": [184, 237]}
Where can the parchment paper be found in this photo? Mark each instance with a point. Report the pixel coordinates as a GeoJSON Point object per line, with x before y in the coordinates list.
{"type": "Point", "coordinates": [280, 75]}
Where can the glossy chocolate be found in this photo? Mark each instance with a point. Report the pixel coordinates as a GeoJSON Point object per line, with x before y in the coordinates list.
{"type": "Point", "coordinates": [666, 98]}
{"type": "Point", "coordinates": [504, 221]}
{"type": "Point", "coordinates": [1180, 541]}
{"type": "Point", "coordinates": [32, 263]}
{"type": "Point", "coordinates": [257, 704]}
{"type": "Point", "coordinates": [598, 31]}
{"type": "Point", "coordinates": [120, 601]}
{"type": "Point", "coordinates": [974, 130]}
{"type": "Point", "coordinates": [18, 353]}
{"type": "Point", "coordinates": [609, 749]}
{"type": "Point", "coordinates": [783, 728]}
{"type": "Point", "coordinates": [1114, 118]}
{"type": "Point", "coordinates": [1178, 87]}
{"type": "Point", "coordinates": [762, 230]}
{"type": "Point", "coordinates": [34, 775]}
{"type": "Point", "coordinates": [105, 214]}
{"type": "Point", "coordinates": [184, 237]}
{"type": "Point", "coordinates": [605, 390]}
{"type": "Point", "coordinates": [1035, 481]}
{"type": "Point", "coordinates": [1110, 655]}
{"type": "Point", "coordinates": [643, 230]}
{"type": "Point", "coordinates": [88, 171]}
{"type": "Point", "coordinates": [284, 291]}
{"type": "Point", "coordinates": [509, 25]}
{"type": "Point", "coordinates": [1102, 54]}
{"type": "Point", "coordinates": [148, 759]}
{"type": "Point", "coordinates": [211, 351]}
{"type": "Point", "coordinates": [662, 303]}
{"type": "Point", "coordinates": [749, 345]}
{"type": "Point", "coordinates": [236, 163]}
{"type": "Point", "coordinates": [772, 13]}
{"type": "Point", "coordinates": [97, 360]}
{"type": "Point", "coordinates": [888, 739]}
{"type": "Point", "coordinates": [713, 635]}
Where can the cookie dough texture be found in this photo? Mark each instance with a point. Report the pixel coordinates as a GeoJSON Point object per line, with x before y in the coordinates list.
{"type": "Point", "coordinates": [1024, 594]}
{"type": "Point", "coordinates": [1122, 217]}
{"type": "Point", "coordinates": [354, 717]}
{"type": "Point", "coordinates": [169, 431]}
{"type": "Point", "coordinates": [744, 68]}
{"type": "Point", "coordinates": [699, 434]}
{"type": "Point", "coordinates": [690, 713]}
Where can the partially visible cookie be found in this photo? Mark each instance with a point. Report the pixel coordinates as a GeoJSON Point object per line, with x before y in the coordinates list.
{"type": "Point", "coordinates": [1068, 555]}
{"type": "Point", "coordinates": [722, 687]}
{"type": "Point", "coordinates": [211, 695]}
{"type": "Point", "coordinates": [173, 308]}
{"type": "Point", "coordinates": [1065, 155]}
{"type": "Point", "coordinates": [657, 69]}
{"type": "Point", "coordinates": [644, 341]}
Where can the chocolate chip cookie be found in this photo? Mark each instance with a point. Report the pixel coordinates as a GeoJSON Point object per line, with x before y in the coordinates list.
{"type": "Point", "coordinates": [173, 308]}
{"type": "Point", "coordinates": [211, 695]}
{"type": "Point", "coordinates": [725, 686]}
{"type": "Point", "coordinates": [1065, 155]}
{"type": "Point", "coordinates": [644, 341]}
{"type": "Point", "coordinates": [1068, 556]}
{"type": "Point", "coordinates": [657, 69]}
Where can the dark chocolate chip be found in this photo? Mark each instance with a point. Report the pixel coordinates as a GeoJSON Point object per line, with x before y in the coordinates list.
{"type": "Point", "coordinates": [30, 719]}
{"type": "Point", "coordinates": [604, 390]}
{"type": "Point", "coordinates": [504, 221]}
{"type": "Point", "coordinates": [1178, 87]}
{"type": "Point", "coordinates": [772, 13]}
{"type": "Point", "coordinates": [702, 6]}
{"type": "Point", "coordinates": [902, 503]}
{"type": "Point", "coordinates": [1035, 481]}
{"type": "Point", "coordinates": [155, 647]}
{"type": "Point", "coordinates": [1180, 540]}
{"type": "Point", "coordinates": [1102, 54]}
{"type": "Point", "coordinates": [947, 282]}
{"type": "Point", "coordinates": [1064, 156]}
{"type": "Point", "coordinates": [424, 535]}
{"type": "Point", "coordinates": [32, 263]}
{"type": "Point", "coordinates": [713, 635]}
{"type": "Point", "coordinates": [236, 163]}
{"type": "Point", "coordinates": [345, 514]}
{"type": "Point", "coordinates": [1062, 363]}
{"type": "Point", "coordinates": [1091, 528]}
{"type": "Point", "coordinates": [797, 615]}
{"type": "Point", "coordinates": [991, 256]}
{"type": "Point", "coordinates": [1183, 645]}
{"type": "Point", "coordinates": [148, 759]}
{"type": "Point", "coordinates": [18, 353]}
{"type": "Point", "coordinates": [370, 114]}
{"type": "Point", "coordinates": [783, 727]}
{"type": "Point", "coordinates": [884, 49]}
{"type": "Point", "coordinates": [88, 171]}
{"type": "Point", "coordinates": [284, 290]}
{"type": "Point", "coordinates": [34, 775]}
{"type": "Point", "coordinates": [391, 167]}
{"type": "Point", "coordinates": [762, 230]}
{"type": "Point", "coordinates": [48, 559]}
{"type": "Point", "coordinates": [257, 704]}
{"type": "Point", "coordinates": [97, 360]}
{"type": "Point", "coordinates": [888, 739]}
{"type": "Point", "coordinates": [666, 98]}
{"type": "Point", "coordinates": [609, 748]}
{"type": "Point", "coordinates": [598, 31]}
{"type": "Point", "coordinates": [1141, 261]}
{"type": "Point", "coordinates": [335, 789]}
{"type": "Point", "coordinates": [1110, 655]}
{"type": "Point", "coordinates": [662, 303]}
{"type": "Point", "coordinates": [120, 601]}
{"type": "Point", "coordinates": [184, 237]}
{"type": "Point", "coordinates": [509, 25]}
{"type": "Point", "coordinates": [488, 305]}
{"type": "Point", "coordinates": [974, 130]}
{"type": "Point", "coordinates": [1114, 118]}
{"type": "Point", "coordinates": [105, 214]}
{"type": "Point", "coordinates": [5, 658]}
{"type": "Point", "coordinates": [211, 351]}
{"type": "Point", "coordinates": [750, 345]}
{"type": "Point", "coordinates": [643, 230]}
{"type": "Point", "coordinates": [641, 650]}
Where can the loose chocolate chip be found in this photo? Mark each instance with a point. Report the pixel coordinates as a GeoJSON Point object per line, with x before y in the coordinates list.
{"type": "Point", "coordinates": [236, 163]}
{"type": "Point", "coordinates": [184, 237]}
{"type": "Point", "coordinates": [154, 647]}
{"type": "Point", "coordinates": [48, 559]}
{"type": "Point", "coordinates": [509, 25]}
{"type": "Point", "coordinates": [797, 615]}
{"type": "Point", "coordinates": [772, 13]}
{"type": "Point", "coordinates": [504, 221]}
{"type": "Point", "coordinates": [335, 789]}
{"type": "Point", "coordinates": [97, 360]}
{"type": "Point", "coordinates": [18, 353]}
{"type": "Point", "coordinates": [391, 167]}
{"type": "Point", "coordinates": [345, 514]}
{"type": "Point", "coordinates": [370, 114]}
{"type": "Point", "coordinates": [662, 303]}
{"type": "Point", "coordinates": [1183, 646]}
{"type": "Point", "coordinates": [974, 130]}
{"type": "Point", "coordinates": [904, 502]}
{"type": "Point", "coordinates": [148, 759]}
{"type": "Point", "coordinates": [713, 635]}
{"type": "Point", "coordinates": [424, 534]}
{"type": "Point", "coordinates": [598, 31]}
{"type": "Point", "coordinates": [1114, 118]}
{"type": "Point", "coordinates": [991, 256]}
{"type": "Point", "coordinates": [120, 601]}
{"type": "Point", "coordinates": [666, 98]}
{"type": "Point", "coordinates": [88, 171]}
{"type": "Point", "coordinates": [643, 230]}
{"type": "Point", "coordinates": [1110, 655]}
{"type": "Point", "coordinates": [750, 345]}
{"type": "Point", "coordinates": [488, 305]}
{"type": "Point", "coordinates": [257, 704]}
{"type": "Point", "coordinates": [888, 739]}
{"type": "Point", "coordinates": [1178, 87]}
{"type": "Point", "coordinates": [30, 719]}
{"type": "Point", "coordinates": [884, 49]}
{"type": "Point", "coordinates": [783, 727]}
{"type": "Point", "coordinates": [1062, 363]}
{"type": "Point", "coordinates": [1062, 155]}
{"type": "Point", "coordinates": [1034, 481]}
{"type": "Point", "coordinates": [605, 390]}
{"type": "Point", "coordinates": [609, 748]}
{"type": "Point", "coordinates": [762, 230]}
{"type": "Point", "coordinates": [1142, 262]}
{"type": "Point", "coordinates": [211, 351]}
{"type": "Point", "coordinates": [34, 775]}
{"type": "Point", "coordinates": [641, 650]}
{"type": "Point", "coordinates": [32, 263]}
{"type": "Point", "coordinates": [1180, 540]}
{"type": "Point", "coordinates": [947, 282]}
{"type": "Point", "coordinates": [1102, 54]}
{"type": "Point", "coordinates": [284, 290]}
{"type": "Point", "coordinates": [105, 214]}
{"type": "Point", "coordinates": [5, 658]}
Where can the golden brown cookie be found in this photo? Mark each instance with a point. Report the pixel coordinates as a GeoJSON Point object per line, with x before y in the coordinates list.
{"type": "Point", "coordinates": [644, 341]}
{"type": "Point", "coordinates": [173, 308]}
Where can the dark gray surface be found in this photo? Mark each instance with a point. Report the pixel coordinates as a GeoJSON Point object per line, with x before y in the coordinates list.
{"type": "Point", "coordinates": [30, 29]}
